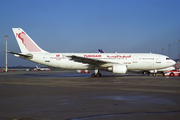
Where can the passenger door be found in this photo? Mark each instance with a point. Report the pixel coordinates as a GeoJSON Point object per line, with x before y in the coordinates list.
{"type": "Point", "coordinates": [135, 59]}
{"type": "Point", "coordinates": [158, 59]}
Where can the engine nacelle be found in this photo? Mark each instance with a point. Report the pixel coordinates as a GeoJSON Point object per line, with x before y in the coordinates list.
{"type": "Point", "coordinates": [121, 69]}
{"type": "Point", "coordinates": [153, 71]}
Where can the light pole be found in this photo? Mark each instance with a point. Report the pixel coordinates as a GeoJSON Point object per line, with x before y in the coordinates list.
{"type": "Point", "coordinates": [162, 50]}
{"type": "Point", "coordinates": [6, 51]}
{"type": "Point", "coordinates": [169, 51]}
{"type": "Point", "coordinates": [178, 50]}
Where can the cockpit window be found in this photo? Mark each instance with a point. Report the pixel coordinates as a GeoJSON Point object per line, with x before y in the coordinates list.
{"type": "Point", "coordinates": [167, 58]}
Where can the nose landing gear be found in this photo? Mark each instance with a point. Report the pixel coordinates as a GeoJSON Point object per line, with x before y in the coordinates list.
{"type": "Point", "coordinates": [153, 72]}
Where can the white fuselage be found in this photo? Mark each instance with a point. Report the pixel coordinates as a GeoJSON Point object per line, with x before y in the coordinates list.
{"type": "Point", "coordinates": [134, 61]}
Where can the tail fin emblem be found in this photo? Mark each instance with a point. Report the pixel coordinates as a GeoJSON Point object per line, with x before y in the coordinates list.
{"type": "Point", "coordinates": [19, 36]}
{"type": "Point", "coordinates": [28, 43]}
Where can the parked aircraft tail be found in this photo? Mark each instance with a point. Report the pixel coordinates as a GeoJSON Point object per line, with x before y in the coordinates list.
{"type": "Point", "coordinates": [101, 51]}
{"type": "Point", "coordinates": [26, 44]}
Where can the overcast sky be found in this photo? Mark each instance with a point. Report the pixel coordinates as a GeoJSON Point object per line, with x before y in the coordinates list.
{"type": "Point", "coordinates": [123, 26]}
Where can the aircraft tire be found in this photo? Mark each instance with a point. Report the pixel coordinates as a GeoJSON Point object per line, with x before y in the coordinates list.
{"type": "Point", "coordinates": [93, 75]}
{"type": "Point", "coordinates": [98, 75]}
{"type": "Point", "coordinates": [154, 74]}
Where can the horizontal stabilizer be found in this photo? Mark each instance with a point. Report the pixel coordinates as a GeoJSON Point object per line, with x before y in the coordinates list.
{"type": "Point", "coordinates": [21, 55]}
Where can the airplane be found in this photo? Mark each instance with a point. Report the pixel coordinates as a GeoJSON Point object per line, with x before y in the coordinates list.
{"type": "Point", "coordinates": [118, 63]}
{"type": "Point", "coordinates": [41, 69]}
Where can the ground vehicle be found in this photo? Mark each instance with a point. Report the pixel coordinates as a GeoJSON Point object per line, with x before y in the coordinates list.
{"type": "Point", "coordinates": [172, 73]}
{"type": "Point", "coordinates": [83, 71]}
{"type": "Point", "coordinates": [2, 70]}
{"type": "Point", "coordinates": [41, 69]}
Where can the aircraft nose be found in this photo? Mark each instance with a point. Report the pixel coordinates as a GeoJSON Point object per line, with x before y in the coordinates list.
{"type": "Point", "coordinates": [173, 62]}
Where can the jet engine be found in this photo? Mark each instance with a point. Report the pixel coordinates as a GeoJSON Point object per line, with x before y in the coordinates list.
{"type": "Point", "coordinates": [121, 69]}
{"type": "Point", "coordinates": [153, 71]}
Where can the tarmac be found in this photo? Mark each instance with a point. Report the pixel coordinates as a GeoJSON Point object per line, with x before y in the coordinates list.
{"type": "Point", "coordinates": [67, 95]}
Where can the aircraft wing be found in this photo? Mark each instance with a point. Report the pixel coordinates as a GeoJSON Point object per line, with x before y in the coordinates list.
{"type": "Point", "coordinates": [24, 56]}
{"type": "Point", "coordinates": [91, 61]}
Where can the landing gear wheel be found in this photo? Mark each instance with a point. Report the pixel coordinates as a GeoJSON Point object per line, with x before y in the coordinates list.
{"type": "Point", "coordinates": [93, 75]}
{"type": "Point", "coordinates": [98, 75]}
{"type": "Point", "coordinates": [154, 74]}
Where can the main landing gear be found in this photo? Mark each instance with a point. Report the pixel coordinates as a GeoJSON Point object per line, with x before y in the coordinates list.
{"type": "Point", "coordinates": [96, 73]}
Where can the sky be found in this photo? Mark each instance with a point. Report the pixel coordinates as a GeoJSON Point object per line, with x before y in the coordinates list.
{"type": "Point", "coordinates": [76, 26]}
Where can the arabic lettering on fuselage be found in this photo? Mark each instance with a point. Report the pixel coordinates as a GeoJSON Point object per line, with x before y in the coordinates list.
{"type": "Point", "coordinates": [119, 56]}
